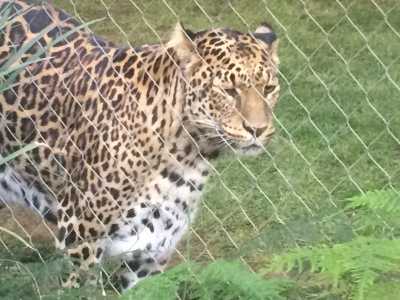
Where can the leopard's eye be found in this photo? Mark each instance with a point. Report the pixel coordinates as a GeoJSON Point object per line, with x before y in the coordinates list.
{"type": "Point", "coordinates": [232, 92]}
{"type": "Point", "coordinates": [268, 89]}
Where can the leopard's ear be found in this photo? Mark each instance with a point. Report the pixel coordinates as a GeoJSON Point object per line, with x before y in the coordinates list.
{"type": "Point", "coordinates": [266, 34]}
{"type": "Point", "coordinates": [181, 41]}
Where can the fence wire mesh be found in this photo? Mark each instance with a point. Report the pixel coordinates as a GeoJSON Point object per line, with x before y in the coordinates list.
{"type": "Point", "coordinates": [338, 135]}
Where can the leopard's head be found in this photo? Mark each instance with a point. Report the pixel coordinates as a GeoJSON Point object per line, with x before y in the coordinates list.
{"type": "Point", "coordinates": [232, 85]}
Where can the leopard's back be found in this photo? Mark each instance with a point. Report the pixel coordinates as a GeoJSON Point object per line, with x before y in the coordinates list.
{"type": "Point", "coordinates": [53, 102]}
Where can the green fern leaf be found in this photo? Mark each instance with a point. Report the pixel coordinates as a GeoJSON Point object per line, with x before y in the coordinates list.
{"type": "Point", "coordinates": [362, 260]}
{"type": "Point", "coordinates": [376, 213]}
{"type": "Point", "coordinates": [218, 280]}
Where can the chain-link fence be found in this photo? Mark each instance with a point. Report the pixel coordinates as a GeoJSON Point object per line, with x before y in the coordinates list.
{"type": "Point", "coordinates": [328, 179]}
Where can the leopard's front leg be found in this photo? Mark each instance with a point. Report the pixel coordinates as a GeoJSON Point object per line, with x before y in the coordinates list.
{"type": "Point", "coordinates": [81, 233]}
{"type": "Point", "coordinates": [84, 256]}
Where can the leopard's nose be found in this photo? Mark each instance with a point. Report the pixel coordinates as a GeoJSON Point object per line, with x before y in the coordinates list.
{"type": "Point", "coordinates": [254, 131]}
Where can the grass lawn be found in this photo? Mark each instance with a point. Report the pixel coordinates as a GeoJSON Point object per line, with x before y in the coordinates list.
{"type": "Point", "coordinates": [338, 120]}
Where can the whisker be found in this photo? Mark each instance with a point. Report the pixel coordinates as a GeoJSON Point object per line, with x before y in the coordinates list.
{"type": "Point", "coordinates": [206, 123]}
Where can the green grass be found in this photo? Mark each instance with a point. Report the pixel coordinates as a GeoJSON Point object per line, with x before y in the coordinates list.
{"type": "Point", "coordinates": [338, 120]}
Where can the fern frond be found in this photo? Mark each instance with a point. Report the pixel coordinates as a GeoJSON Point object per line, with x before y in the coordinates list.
{"type": "Point", "coordinates": [376, 213]}
{"type": "Point", "coordinates": [218, 280]}
{"type": "Point", "coordinates": [363, 260]}
{"type": "Point", "coordinates": [385, 200]}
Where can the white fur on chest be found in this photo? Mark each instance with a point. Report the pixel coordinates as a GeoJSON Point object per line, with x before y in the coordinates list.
{"type": "Point", "coordinates": [170, 206]}
{"type": "Point", "coordinates": [182, 188]}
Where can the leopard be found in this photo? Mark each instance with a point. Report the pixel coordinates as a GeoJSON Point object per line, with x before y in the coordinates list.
{"type": "Point", "coordinates": [123, 136]}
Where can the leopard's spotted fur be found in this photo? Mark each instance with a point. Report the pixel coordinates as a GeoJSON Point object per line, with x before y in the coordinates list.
{"type": "Point", "coordinates": [125, 133]}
